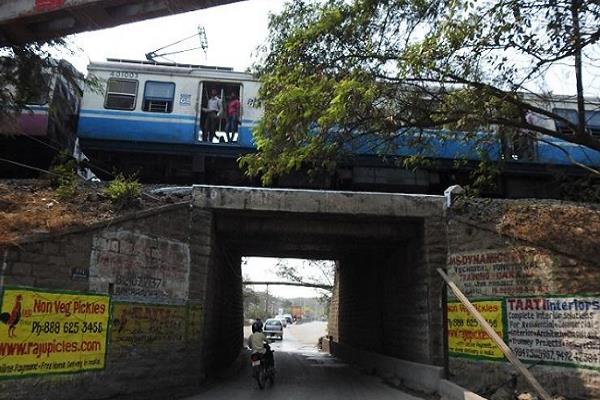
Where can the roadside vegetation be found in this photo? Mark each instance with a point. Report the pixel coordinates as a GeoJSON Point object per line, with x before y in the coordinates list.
{"type": "Point", "coordinates": [379, 74]}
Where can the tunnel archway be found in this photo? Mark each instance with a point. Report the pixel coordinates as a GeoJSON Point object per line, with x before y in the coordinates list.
{"type": "Point", "coordinates": [387, 300]}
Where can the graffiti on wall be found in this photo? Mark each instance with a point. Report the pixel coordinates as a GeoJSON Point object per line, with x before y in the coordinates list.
{"type": "Point", "coordinates": [137, 267]}
{"type": "Point", "coordinates": [467, 338]}
{"type": "Point", "coordinates": [503, 272]}
{"type": "Point", "coordinates": [561, 330]}
{"type": "Point", "coordinates": [45, 332]}
{"type": "Point", "coordinates": [194, 321]}
{"type": "Point", "coordinates": [146, 326]}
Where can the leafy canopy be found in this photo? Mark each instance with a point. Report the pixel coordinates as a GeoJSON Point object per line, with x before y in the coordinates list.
{"type": "Point", "coordinates": [336, 74]}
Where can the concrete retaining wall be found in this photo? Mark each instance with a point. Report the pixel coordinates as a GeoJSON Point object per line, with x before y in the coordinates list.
{"type": "Point", "coordinates": [170, 302]}
{"type": "Point", "coordinates": [423, 378]}
{"type": "Point", "coordinates": [532, 266]}
{"type": "Point", "coordinates": [416, 376]}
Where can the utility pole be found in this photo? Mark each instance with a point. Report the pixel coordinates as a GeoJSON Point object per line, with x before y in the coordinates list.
{"type": "Point", "coordinates": [267, 303]}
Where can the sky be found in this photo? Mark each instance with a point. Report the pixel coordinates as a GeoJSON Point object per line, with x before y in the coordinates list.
{"type": "Point", "coordinates": [234, 31]}
{"type": "Point", "coordinates": [263, 269]}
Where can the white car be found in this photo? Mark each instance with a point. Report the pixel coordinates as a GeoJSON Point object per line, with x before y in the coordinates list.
{"type": "Point", "coordinates": [273, 327]}
{"type": "Point", "coordinates": [282, 319]}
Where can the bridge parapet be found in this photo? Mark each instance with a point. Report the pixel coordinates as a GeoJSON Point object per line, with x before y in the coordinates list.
{"type": "Point", "coordinates": [317, 202]}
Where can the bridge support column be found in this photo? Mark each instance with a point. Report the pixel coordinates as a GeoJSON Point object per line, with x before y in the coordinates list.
{"type": "Point", "coordinates": [216, 283]}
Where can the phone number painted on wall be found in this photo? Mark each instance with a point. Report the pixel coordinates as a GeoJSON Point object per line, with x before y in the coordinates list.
{"type": "Point", "coordinates": [549, 330]}
{"type": "Point", "coordinates": [465, 336]}
{"type": "Point", "coordinates": [47, 332]}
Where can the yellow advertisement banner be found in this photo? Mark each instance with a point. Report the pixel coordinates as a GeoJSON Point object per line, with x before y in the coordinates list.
{"type": "Point", "coordinates": [49, 332]}
{"type": "Point", "coordinates": [466, 338]}
{"type": "Point", "coordinates": [147, 326]}
{"type": "Point", "coordinates": [194, 327]}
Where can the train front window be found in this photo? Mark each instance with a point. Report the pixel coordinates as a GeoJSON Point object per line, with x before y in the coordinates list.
{"type": "Point", "coordinates": [121, 94]}
{"type": "Point", "coordinates": [158, 97]}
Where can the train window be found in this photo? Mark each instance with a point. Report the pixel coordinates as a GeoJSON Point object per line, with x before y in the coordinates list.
{"type": "Point", "coordinates": [121, 94]}
{"type": "Point", "coordinates": [592, 120]}
{"type": "Point", "coordinates": [158, 97]}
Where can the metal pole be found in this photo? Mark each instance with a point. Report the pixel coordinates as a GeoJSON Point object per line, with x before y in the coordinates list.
{"type": "Point", "coordinates": [267, 303]}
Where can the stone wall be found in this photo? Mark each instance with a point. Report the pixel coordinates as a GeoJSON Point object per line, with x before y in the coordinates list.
{"type": "Point", "coordinates": [334, 306]}
{"type": "Point", "coordinates": [115, 310]}
{"type": "Point", "coordinates": [532, 269]}
{"type": "Point", "coordinates": [388, 301]}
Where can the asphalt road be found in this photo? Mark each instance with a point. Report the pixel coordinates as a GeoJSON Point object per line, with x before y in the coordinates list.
{"type": "Point", "coordinates": [303, 373]}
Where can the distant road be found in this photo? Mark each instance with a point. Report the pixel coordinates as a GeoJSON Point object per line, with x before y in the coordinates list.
{"type": "Point", "coordinates": [304, 373]}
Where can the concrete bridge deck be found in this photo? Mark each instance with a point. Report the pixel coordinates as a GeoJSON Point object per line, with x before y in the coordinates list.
{"type": "Point", "coordinates": [30, 20]}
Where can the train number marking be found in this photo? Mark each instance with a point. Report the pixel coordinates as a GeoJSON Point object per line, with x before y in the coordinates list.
{"type": "Point", "coordinates": [124, 74]}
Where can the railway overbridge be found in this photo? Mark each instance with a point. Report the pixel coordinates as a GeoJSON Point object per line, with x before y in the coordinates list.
{"type": "Point", "coordinates": [29, 20]}
{"type": "Point", "coordinates": [172, 285]}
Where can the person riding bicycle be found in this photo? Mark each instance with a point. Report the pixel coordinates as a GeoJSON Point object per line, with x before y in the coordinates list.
{"type": "Point", "coordinates": [259, 344]}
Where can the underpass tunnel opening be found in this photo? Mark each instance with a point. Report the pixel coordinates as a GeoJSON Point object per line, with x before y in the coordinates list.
{"type": "Point", "coordinates": [385, 298]}
{"type": "Point", "coordinates": [300, 289]}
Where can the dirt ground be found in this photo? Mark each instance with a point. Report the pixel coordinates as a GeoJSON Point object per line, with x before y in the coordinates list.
{"type": "Point", "coordinates": [33, 206]}
{"type": "Point", "coordinates": [567, 228]}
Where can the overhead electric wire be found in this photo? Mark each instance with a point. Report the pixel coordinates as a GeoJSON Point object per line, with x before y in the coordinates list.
{"type": "Point", "coordinates": [177, 52]}
{"type": "Point", "coordinates": [58, 150]}
{"type": "Point", "coordinates": [173, 44]}
{"type": "Point", "coordinates": [29, 167]}
{"type": "Point", "coordinates": [45, 171]}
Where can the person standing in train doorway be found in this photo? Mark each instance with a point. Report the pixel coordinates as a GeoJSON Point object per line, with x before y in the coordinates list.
{"type": "Point", "coordinates": [233, 117]}
{"type": "Point", "coordinates": [213, 109]}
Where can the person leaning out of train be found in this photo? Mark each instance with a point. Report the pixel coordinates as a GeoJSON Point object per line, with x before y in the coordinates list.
{"type": "Point", "coordinates": [233, 117]}
{"type": "Point", "coordinates": [213, 109]}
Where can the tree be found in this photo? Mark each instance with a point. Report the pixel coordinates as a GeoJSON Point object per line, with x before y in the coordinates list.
{"type": "Point", "coordinates": [24, 71]}
{"type": "Point", "coordinates": [320, 272]}
{"type": "Point", "coordinates": [387, 73]}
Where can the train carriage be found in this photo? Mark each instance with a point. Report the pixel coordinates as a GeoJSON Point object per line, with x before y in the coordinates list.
{"type": "Point", "coordinates": [146, 110]}
{"type": "Point", "coordinates": [148, 117]}
{"type": "Point", "coordinates": [47, 124]}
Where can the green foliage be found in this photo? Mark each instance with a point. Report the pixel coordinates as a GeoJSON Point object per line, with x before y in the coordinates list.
{"type": "Point", "coordinates": [339, 75]}
{"type": "Point", "coordinates": [484, 178]}
{"type": "Point", "coordinates": [63, 177]}
{"type": "Point", "coordinates": [124, 191]}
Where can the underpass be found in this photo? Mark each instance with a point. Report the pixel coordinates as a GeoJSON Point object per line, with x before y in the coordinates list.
{"type": "Point", "coordinates": [387, 297]}
{"type": "Point", "coordinates": [168, 282]}
{"type": "Point", "coordinates": [302, 372]}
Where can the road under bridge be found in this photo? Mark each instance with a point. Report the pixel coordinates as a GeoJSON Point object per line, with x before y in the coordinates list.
{"type": "Point", "coordinates": [29, 20]}
{"type": "Point", "coordinates": [173, 279]}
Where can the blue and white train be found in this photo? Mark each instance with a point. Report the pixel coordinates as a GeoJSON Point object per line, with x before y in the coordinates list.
{"type": "Point", "coordinates": [158, 103]}
{"type": "Point", "coordinates": [148, 116]}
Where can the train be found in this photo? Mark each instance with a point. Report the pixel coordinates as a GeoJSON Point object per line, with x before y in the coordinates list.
{"type": "Point", "coordinates": [149, 118]}
{"type": "Point", "coordinates": [46, 126]}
